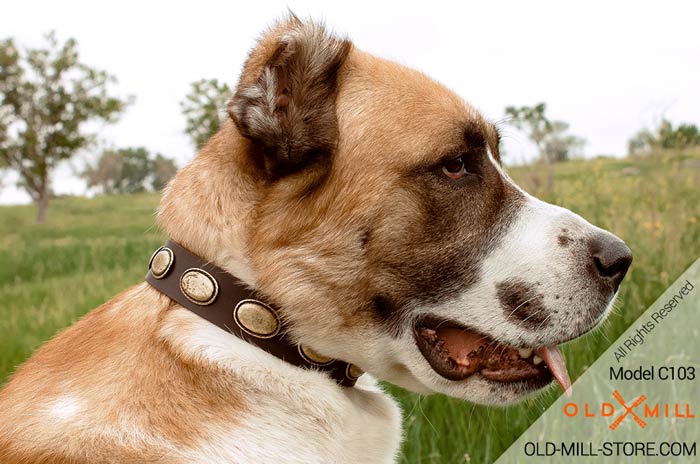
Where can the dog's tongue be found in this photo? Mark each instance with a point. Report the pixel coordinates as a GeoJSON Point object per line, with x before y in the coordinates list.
{"type": "Point", "coordinates": [555, 361]}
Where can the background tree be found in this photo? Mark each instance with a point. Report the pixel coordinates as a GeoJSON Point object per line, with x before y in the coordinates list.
{"type": "Point", "coordinates": [532, 121]}
{"type": "Point", "coordinates": [550, 137]}
{"type": "Point", "coordinates": [680, 137]}
{"type": "Point", "coordinates": [641, 143]}
{"type": "Point", "coordinates": [203, 109]}
{"type": "Point", "coordinates": [104, 175]}
{"type": "Point", "coordinates": [129, 170]}
{"type": "Point", "coordinates": [665, 136]}
{"type": "Point", "coordinates": [560, 146]}
{"type": "Point", "coordinates": [163, 170]}
{"type": "Point", "coordinates": [46, 98]}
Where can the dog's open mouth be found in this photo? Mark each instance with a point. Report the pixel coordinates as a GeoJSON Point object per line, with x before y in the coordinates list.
{"type": "Point", "coordinates": [456, 353]}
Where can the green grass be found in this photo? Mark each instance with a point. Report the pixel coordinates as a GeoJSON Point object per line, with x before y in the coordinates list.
{"type": "Point", "coordinates": [91, 249]}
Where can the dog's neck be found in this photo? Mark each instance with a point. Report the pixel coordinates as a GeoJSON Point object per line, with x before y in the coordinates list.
{"type": "Point", "coordinates": [210, 292]}
{"type": "Point", "coordinates": [208, 205]}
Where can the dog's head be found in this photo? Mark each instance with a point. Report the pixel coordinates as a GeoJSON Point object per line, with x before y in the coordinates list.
{"type": "Point", "coordinates": [381, 222]}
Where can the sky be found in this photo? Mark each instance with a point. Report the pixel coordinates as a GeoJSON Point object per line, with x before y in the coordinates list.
{"type": "Point", "coordinates": [607, 68]}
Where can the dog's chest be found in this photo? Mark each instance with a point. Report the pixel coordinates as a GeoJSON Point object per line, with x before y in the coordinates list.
{"type": "Point", "coordinates": [287, 414]}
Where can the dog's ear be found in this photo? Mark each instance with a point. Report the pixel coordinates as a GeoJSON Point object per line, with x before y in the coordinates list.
{"type": "Point", "coordinates": [285, 100]}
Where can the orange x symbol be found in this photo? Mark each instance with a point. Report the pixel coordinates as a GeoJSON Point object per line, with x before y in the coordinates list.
{"type": "Point", "coordinates": [628, 410]}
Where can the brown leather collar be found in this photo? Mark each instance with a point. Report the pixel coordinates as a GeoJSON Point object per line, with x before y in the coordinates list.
{"type": "Point", "coordinates": [225, 301]}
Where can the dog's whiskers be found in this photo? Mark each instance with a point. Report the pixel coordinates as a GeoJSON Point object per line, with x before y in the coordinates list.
{"type": "Point", "coordinates": [521, 305]}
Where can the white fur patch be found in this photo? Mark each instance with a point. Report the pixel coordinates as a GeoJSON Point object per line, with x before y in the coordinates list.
{"type": "Point", "coordinates": [300, 415]}
{"type": "Point", "coordinates": [65, 408]}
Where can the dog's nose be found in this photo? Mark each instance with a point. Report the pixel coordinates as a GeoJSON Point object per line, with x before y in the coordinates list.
{"type": "Point", "coordinates": [611, 257]}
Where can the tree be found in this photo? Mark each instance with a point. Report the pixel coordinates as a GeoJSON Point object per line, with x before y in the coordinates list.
{"type": "Point", "coordinates": [105, 174]}
{"type": "Point", "coordinates": [665, 136]}
{"type": "Point", "coordinates": [531, 120]}
{"type": "Point", "coordinates": [560, 146]}
{"type": "Point", "coordinates": [203, 109]}
{"type": "Point", "coordinates": [683, 136]}
{"type": "Point", "coordinates": [641, 143]}
{"type": "Point", "coordinates": [163, 169]}
{"type": "Point", "coordinates": [129, 170]}
{"type": "Point", "coordinates": [46, 98]}
{"type": "Point", "coordinates": [550, 137]}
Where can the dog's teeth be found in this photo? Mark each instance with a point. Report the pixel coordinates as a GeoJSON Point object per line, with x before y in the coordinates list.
{"type": "Point", "coordinates": [525, 352]}
{"type": "Point", "coordinates": [536, 359]}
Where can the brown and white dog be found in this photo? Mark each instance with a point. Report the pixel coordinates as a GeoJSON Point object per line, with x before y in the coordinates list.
{"type": "Point", "coordinates": [368, 203]}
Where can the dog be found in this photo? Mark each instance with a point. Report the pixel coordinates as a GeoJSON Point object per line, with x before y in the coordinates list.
{"type": "Point", "coordinates": [366, 206]}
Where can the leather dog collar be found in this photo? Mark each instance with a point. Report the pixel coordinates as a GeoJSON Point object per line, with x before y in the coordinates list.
{"type": "Point", "coordinates": [225, 301]}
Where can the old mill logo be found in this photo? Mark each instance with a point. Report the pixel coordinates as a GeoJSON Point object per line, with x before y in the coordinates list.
{"type": "Point", "coordinates": [638, 410]}
{"type": "Point", "coordinates": [628, 410]}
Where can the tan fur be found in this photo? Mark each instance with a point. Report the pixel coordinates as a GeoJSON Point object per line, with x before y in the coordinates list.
{"type": "Point", "coordinates": [324, 192]}
{"type": "Point", "coordinates": [222, 208]}
{"type": "Point", "coordinates": [365, 188]}
{"type": "Point", "coordinates": [135, 396]}
{"type": "Point", "coordinates": [141, 400]}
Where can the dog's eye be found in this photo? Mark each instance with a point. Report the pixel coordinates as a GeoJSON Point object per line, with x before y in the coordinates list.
{"type": "Point", "coordinates": [454, 168]}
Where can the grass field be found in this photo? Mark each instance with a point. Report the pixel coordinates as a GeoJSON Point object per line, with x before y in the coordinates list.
{"type": "Point", "coordinates": [91, 249]}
